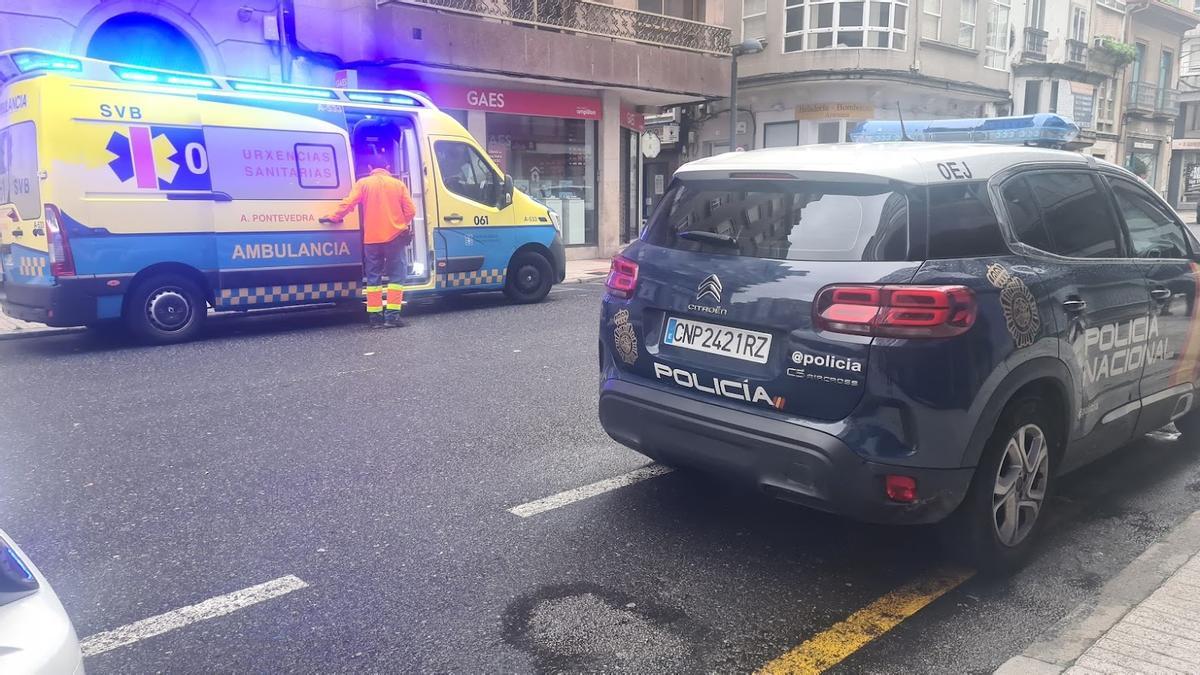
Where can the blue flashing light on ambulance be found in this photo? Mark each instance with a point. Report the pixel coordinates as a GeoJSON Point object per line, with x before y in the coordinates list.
{"type": "Point", "coordinates": [145, 196]}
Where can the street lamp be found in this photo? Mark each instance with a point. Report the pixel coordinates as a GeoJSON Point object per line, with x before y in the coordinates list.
{"type": "Point", "coordinates": [745, 47]}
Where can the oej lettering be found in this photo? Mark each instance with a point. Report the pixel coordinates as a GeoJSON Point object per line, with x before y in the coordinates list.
{"type": "Point", "coordinates": [307, 249]}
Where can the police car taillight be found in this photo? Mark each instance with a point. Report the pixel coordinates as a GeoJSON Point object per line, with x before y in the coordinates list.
{"type": "Point", "coordinates": [622, 277]}
{"type": "Point", "coordinates": [895, 311]}
{"type": "Point", "coordinates": [62, 263]}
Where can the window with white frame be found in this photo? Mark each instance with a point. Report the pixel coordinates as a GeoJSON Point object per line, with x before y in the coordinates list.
{"type": "Point", "coordinates": [754, 19]}
{"type": "Point", "coordinates": [1079, 24]}
{"type": "Point", "coordinates": [966, 23]}
{"type": "Point", "coordinates": [1105, 105]}
{"type": "Point", "coordinates": [931, 20]}
{"type": "Point", "coordinates": [830, 24]}
{"type": "Point", "coordinates": [997, 35]}
{"type": "Point", "coordinates": [1037, 14]}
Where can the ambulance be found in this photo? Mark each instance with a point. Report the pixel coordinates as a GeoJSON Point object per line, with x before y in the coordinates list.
{"type": "Point", "coordinates": [144, 196]}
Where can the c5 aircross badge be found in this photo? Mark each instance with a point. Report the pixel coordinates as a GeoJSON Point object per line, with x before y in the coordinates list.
{"type": "Point", "coordinates": [1019, 305]}
{"type": "Point", "coordinates": [624, 337]}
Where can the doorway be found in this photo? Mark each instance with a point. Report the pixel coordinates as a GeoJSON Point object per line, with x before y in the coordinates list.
{"type": "Point", "coordinates": [395, 138]}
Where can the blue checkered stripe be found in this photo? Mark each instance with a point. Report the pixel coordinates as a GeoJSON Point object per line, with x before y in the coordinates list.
{"type": "Point", "coordinates": [476, 278]}
{"type": "Point", "coordinates": [31, 266]}
{"type": "Point", "coordinates": [275, 295]}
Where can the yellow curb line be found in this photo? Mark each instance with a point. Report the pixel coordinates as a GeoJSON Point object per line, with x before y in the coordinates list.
{"type": "Point", "coordinates": [832, 646]}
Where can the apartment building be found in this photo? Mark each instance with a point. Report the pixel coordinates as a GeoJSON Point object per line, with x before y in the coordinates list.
{"type": "Point", "coordinates": [829, 64]}
{"type": "Point", "coordinates": [1184, 187]}
{"type": "Point", "coordinates": [1111, 66]}
{"type": "Point", "coordinates": [554, 89]}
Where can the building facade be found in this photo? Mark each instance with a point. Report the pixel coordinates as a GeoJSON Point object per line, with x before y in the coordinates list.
{"type": "Point", "coordinates": [829, 64]}
{"type": "Point", "coordinates": [555, 90]}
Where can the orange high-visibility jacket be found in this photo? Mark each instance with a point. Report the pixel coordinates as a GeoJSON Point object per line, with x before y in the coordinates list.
{"type": "Point", "coordinates": [388, 206]}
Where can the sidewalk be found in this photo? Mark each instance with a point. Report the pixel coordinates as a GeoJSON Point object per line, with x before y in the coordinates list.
{"type": "Point", "coordinates": [1144, 620]}
{"type": "Point", "coordinates": [581, 271]}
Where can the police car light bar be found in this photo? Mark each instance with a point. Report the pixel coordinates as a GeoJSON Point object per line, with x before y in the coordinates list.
{"type": "Point", "coordinates": [1046, 129]}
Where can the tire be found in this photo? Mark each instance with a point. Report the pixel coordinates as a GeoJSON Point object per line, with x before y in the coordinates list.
{"type": "Point", "coordinates": [529, 278]}
{"type": "Point", "coordinates": [165, 309]}
{"type": "Point", "coordinates": [1019, 455]}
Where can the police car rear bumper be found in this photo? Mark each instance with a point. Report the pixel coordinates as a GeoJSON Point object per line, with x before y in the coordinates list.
{"type": "Point", "coordinates": [785, 460]}
{"type": "Point", "coordinates": [70, 302]}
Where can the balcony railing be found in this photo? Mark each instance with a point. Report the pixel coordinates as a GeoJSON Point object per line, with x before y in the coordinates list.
{"type": "Point", "coordinates": [1150, 98]}
{"type": "Point", "coordinates": [1035, 44]}
{"type": "Point", "coordinates": [1077, 52]}
{"type": "Point", "coordinates": [592, 18]}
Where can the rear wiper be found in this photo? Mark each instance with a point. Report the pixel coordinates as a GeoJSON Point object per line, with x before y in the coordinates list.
{"type": "Point", "coordinates": [709, 237]}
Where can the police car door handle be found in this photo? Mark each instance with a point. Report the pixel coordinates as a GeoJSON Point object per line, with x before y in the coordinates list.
{"type": "Point", "coordinates": [1075, 305]}
{"type": "Point", "coordinates": [18, 232]}
{"type": "Point", "coordinates": [1160, 294]}
{"type": "Point", "coordinates": [453, 218]}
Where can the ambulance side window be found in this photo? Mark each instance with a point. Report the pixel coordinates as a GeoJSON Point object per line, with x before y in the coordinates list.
{"type": "Point", "coordinates": [466, 173]}
{"type": "Point", "coordinates": [19, 184]}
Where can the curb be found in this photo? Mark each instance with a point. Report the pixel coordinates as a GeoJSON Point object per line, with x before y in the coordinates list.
{"type": "Point", "coordinates": [24, 334]}
{"type": "Point", "coordinates": [1068, 639]}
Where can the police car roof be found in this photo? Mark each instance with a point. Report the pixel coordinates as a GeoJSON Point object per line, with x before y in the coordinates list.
{"type": "Point", "coordinates": [909, 162]}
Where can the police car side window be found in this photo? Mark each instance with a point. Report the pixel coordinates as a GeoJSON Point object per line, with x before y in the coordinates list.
{"type": "Point", "coordinates": [1153, 233]}
{"type": "Point", "coordinates": [1063, 212]}
{"type": "Point", "coordinates": [962, 223]}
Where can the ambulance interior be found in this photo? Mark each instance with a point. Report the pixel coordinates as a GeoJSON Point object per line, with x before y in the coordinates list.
{"type": "Point", "coordinates": [395, 137]}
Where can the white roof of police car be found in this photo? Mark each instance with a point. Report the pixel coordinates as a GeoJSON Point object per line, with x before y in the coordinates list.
{"type": "Point", "coordinates": [909, 162]}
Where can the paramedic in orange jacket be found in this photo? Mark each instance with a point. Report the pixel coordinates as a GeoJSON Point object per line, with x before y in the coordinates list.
{"type": "Point", "coordinates": [388, 212]}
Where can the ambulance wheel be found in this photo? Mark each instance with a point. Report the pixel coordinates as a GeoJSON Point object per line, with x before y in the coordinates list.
{"type": "Point", "coordinates": [997, 524]}
{"type": "Point", "coordinates": [529, 278]}
{"type": "Point", "coordinates": [165, 309]}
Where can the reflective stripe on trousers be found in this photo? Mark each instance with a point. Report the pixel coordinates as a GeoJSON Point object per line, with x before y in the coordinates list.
{"type": "Point", "coordinates": [395, 297]}
{"type": "Point", "coordinates": [374, 298]}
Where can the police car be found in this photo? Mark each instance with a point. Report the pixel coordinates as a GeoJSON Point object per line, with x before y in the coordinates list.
{"type": "Point", "coordinates": [905, 332]}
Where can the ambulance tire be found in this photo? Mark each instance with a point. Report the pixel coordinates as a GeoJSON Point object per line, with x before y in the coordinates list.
{"type": "Point", "coordinates": [164, 309]}
{"type": "Point", "coordinates": [529, 278]}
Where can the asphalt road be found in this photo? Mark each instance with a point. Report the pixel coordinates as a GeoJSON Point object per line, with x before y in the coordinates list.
{"type": "Point", "coordinates": [379, 467]}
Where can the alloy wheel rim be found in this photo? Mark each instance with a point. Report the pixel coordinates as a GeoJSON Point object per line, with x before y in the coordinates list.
{"type": "Point", "coordinates": [1020, 486]}
{"type": "Point", "coordinates": [168, 309]}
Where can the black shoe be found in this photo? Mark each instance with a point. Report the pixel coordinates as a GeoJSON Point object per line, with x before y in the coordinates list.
{"type": "Point", "coordinates": [393, 323]}
{"type": "Point", "coordinates": [374, 321]}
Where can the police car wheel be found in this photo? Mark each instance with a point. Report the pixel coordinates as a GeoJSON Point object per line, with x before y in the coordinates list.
{"type": "Point", "coordinates": [165, 309]}
{"type": "Point", "coordinates": [997, 524]}
{"type": "Point", "coordinates": [529, 278]}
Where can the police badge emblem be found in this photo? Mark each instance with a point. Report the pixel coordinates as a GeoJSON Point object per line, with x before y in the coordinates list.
{"type": "Point", "coordinates": [1019, 306]}
{"type": "Point", "coordinates": [624, 337]}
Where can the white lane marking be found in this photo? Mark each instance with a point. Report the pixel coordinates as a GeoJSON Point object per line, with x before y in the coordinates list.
{"type": "Point", "coordinates": [178, 618]}
{"type": "Point", "coordinates": [584, 492]}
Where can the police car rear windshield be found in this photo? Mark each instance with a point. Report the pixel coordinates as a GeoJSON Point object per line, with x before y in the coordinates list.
{"type": "Point", "coordinates": [784, 220]}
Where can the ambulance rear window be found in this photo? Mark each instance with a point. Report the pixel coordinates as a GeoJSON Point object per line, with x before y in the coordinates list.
{"type": "Point", "coordinates": [19, 183]}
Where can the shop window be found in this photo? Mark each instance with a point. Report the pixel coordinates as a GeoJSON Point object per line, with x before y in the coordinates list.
{"type": "Point", "coordinates": [1033, 95]}
{"type": "Point", "coordinates": [830, 24]}
{"type": "Point", "coordinates": [466, 173]}
{"type": "Point", "coordinates": [781, 134]}
{"type": "Point", "coordinates": [552, 160]}
{"type": "Point", "coordinates": [829, 132]}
